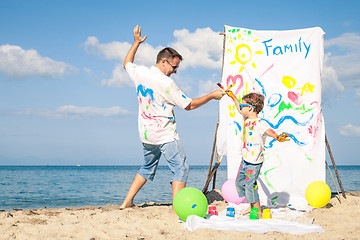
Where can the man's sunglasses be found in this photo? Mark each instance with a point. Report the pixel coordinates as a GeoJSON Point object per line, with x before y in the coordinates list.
{"type": "Point", "coordinates": [245, 105]}
{"type": "Point", "coordinates": [173, 67]}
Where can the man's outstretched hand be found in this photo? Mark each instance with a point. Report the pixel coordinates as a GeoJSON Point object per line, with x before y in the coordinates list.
{"type": "Point", "coordinates": [137, 35]}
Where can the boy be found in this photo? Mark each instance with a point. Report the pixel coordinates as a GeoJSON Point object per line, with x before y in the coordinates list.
{"type": "Point", "coordinates": [254, 135]}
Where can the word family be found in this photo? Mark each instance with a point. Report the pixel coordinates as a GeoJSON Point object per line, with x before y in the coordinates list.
{"type": "Point", "coordinates": [297, 47]}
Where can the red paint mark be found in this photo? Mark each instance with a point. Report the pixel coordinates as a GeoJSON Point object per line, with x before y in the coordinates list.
{"type": "Point", "coordinates": [234, 80]}
{"type": "Point", "coordinates": [248, 174]}
{"type": "Point", "coordinates": [296, 98]}
{"type": "Point", "coordinates": [267, 70]}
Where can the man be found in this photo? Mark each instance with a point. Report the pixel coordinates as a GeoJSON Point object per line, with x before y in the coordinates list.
{"type": "Point", "coordinates": [158, 94]}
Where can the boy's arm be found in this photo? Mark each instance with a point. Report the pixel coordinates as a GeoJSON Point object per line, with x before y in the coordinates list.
{"type": "Point", "coordinates": [233, 97]}
{"type": "Point", "coordinates": [282, 138]}
{"type": "Point", "coordinates": [137, 41]}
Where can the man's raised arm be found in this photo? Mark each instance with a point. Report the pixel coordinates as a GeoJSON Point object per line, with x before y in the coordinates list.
{"type": "Point", "coordinates": [137, 41]}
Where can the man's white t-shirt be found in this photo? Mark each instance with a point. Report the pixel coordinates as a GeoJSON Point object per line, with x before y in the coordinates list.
{"type": "Point", "coordinates": [254, 140]}
{"type": "Point", "coordinates": [157, 95]}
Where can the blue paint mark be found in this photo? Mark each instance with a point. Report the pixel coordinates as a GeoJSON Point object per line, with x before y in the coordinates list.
{"type": "Point", "coordinates": [274, 96]}
{"type": "Point", "coordinates": [262, 87]}
{"type": "Point", "coordinates": [238, 125]}
{"type": "Point", "coordinates": [144, 92]}
{"type": "Point", "coordinates": [170, 118]}
{"type": "Point", "coordinates": [194, 206]}
{"type": "Point", "coordinates": [184, 96]}
{"type": "Point", "coordinates": [291, 136]}
{"type": "Point", "coordinates": [283, 118]}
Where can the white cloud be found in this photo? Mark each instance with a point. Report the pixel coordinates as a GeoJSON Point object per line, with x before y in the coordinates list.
{"type": "Point", "coordinates": [345, 41]}
{"type": "Point", "coordinates": [349, 130]}
{"type": "Point", "coordinates": [146, 54]}
{"type": "Point", "coordinates": [75, 112]}
{"type": "Point", "coordinates": [329, 78]}
{"type": "Point", "coordinates": [344, 59]}
{"type": "Point", "coordinates": [16, 62]}
{"type": "Point", "coordinates": [202, 48]}
{"type": "Point", "coordinates": [119, 78]}
{"type": "Point", "coordinates": [206, 87]}
{"type": "Point", "coordinates": [88, 71]}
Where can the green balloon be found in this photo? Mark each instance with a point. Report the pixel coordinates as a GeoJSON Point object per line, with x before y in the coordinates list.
{"type": "Point", "coordinates": [190, 201]}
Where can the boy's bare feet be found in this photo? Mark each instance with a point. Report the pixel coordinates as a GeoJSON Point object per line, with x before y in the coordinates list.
{"type": "Point", "coordinates": [247, 211]}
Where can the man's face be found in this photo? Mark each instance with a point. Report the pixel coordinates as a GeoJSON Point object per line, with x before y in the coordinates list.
{"type": "Point", "coordinates": [171, 66]}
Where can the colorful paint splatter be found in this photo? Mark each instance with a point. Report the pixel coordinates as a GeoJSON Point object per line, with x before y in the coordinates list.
{"type": "Point", "coordinates": [285, 67]}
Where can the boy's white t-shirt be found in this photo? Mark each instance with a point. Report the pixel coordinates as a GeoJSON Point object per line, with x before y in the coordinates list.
{"type": "Point", "coordinates": [157, 95]}
{"type": "Point", "coordinates": [254, 140]}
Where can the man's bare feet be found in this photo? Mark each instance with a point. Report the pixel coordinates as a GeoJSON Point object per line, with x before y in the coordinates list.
{"type": "Point", "coordinates": [123, 206]}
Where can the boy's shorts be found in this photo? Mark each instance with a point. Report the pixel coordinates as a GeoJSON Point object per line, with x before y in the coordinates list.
{"type": "Point", "coordinates": [174, 154]}
{"type": "Point", "coordinates": [245, 183]}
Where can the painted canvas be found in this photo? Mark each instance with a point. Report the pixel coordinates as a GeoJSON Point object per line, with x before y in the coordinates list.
{"type": "Point", "coordinates": [284, 66]}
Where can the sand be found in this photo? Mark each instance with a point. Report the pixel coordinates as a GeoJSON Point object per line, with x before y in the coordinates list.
{"type": "Point", "coordinates": [155, 221]}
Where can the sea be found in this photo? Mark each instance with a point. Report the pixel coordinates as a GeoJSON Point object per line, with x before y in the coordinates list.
{"type": "Point", "coordinates": [29, 187]}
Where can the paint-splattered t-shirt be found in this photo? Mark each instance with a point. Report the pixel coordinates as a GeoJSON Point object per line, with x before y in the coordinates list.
{"type": "Point", "coordinates": [254, 140]}
{"type": "Point", "coordinates": [157, 95]}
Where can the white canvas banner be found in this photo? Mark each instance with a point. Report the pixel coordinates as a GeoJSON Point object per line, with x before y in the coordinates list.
{"type": "Point", "coordinates": [284, 66]}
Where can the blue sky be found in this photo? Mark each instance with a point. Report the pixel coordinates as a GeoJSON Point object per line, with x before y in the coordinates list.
{"type": "Point", "coordinates": [65, 99]}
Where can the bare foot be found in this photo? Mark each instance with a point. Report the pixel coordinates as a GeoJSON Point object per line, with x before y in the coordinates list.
{"type": "Point", "coordinates": [247, 211]}
{"type": "Point", "coordinates": [123, 206]}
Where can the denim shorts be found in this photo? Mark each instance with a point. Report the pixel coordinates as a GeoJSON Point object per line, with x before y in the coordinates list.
{"type": "Point", "coordinates": [246, 181]}
{"type": "Point", "coordinates": [174, 154]}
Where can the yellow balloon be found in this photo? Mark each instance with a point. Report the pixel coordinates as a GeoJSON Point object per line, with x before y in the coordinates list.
{"type": "Point", "coordinates": [318, 194]}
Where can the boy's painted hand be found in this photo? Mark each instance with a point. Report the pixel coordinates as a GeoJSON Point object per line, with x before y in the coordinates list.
{"type": "Point", "coordinates": [283, 137]}
{"type": "Point", "coordinates": [232, 95]}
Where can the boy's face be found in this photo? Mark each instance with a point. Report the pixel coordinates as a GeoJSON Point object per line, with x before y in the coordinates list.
{"type": "Point", "coordinates": [245, 110]}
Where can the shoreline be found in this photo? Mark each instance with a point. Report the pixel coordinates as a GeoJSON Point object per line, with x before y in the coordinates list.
{"type": "Point", "coordinates": [154, 221]}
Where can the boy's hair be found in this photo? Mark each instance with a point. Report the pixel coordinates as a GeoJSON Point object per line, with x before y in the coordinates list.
{"type": "Point", "coordinates": [255, 99]}
{"type": "Point", "coordinates": [168, 53]}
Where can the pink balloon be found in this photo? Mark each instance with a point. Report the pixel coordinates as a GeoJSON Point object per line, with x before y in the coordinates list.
{"type": "Point", "coordinates": [230, 194]}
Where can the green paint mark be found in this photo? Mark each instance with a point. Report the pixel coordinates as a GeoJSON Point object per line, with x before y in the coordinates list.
{"type": "Point", "coordinates": [267, 180]}
{"type": "Point", "coordinates": [283, 106]}
{"type": "Point", "coordinates": [167, 91]}
{"type": "Point", "coordinates": [273, 200]}
{"type": "Point", "coordinates": [274, 154]}
{"type": "Point", "coordinates": [145, 134]}
{"type": "Point", "coordinates": [147, 107]}
{"type": "Point", "coordinates": [248, 175]}
{"type": "Point", "coordinates": [308, 158]}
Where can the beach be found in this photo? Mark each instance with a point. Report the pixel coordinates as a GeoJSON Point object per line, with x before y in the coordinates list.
{"type": "Point", "coordinates": [155, 221]}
